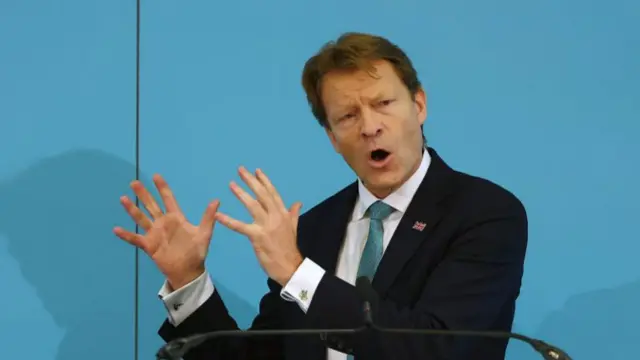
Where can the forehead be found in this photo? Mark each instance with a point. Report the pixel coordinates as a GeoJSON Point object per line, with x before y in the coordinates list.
{"type": "Point", "coordinates": [344, 86]}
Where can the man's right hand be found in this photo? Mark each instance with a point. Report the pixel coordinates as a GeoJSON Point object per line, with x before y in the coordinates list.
{"type": "Point", "coordinates": [177, 247]}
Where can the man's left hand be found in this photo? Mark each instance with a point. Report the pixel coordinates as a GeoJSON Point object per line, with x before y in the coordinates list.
{"type": "Point", "coordinates": [273, 232]}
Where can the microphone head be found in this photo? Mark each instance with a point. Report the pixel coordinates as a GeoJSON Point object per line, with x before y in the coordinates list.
{"type": "Point", "coordinates": [555, 354]}
{"type": "Point", "coordinates": [368, 295]}
{"type": "Point", "coordinates": [368, 318]}
{"type": "Point", "coordinates": [173, 350]}
{"type": "Point", "coordinates": [362, 281]}
{"type": "Point", "coordinates": [549, 352]}
{"type": "Point", "coordinates": [365, 289]}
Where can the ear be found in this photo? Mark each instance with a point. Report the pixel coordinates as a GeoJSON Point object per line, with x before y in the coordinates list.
{"type": "Point", "coordinates": [332, 138]}
{"type": "Point", "coordinates": [420, 101]}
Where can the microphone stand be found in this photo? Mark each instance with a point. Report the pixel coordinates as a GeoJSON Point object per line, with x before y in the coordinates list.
{"type": "Point", "coordinates": [176, 349]}
{"type": "Point", "coordinates": [548, 351]}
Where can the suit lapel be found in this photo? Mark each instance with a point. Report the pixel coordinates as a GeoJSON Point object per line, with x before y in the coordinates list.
{"type": "Point", "coordinates": [330, 232]}
{"type": "Point", "coordinates": [418, 222]}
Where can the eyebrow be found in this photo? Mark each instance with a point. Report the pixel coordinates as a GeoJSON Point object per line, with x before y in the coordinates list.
{"type": "Point", "coordinates": [381, 95]}
{"type": "Point", "coordinates": [377, 96]}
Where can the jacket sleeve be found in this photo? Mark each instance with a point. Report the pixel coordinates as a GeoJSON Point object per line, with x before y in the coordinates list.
{"type": "Point", "coordinates": [213, 315]}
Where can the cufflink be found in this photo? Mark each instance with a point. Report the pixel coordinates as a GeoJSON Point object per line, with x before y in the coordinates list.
{"type": "Point", "coordinates": [303, 295]}
{"type": "Point", "coordinates": [176, 306]}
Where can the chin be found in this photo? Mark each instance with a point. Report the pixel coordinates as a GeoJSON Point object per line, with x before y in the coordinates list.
{"type": "Point", "coordinates": [382, 184]}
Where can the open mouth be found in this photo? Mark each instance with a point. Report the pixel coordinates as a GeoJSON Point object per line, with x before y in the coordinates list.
{"type": "Point", "coordinates": [379, 157]}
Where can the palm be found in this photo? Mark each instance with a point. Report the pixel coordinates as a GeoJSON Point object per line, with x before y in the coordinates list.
{"type": "Point", "coordinates": [176, 246]}
{"type": "Point", "coordinates": [166, 237]}
{"type": "Point", "coordinates": [175, 242]}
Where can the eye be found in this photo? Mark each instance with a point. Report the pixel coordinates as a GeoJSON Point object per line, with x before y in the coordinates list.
{"type": "Point", "coordinates": [347, 116]}
{"type": "Point", "coordinates": [385, 102]}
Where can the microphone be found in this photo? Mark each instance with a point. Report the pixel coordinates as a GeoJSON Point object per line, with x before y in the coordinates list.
{"type": "Point", "coordinates": [176, 349]}
{"type": "Point", "coordinates": [366, 291]}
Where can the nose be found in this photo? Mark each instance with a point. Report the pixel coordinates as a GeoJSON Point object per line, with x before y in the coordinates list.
{"type": "Point", "coordinates": [371, 124]}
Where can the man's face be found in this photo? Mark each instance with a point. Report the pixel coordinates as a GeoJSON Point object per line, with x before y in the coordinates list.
{"type": "Point", "coordinates": [375, 124]}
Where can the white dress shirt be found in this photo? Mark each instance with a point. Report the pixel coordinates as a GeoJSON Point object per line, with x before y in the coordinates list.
{"type": "Point", "coordinates": [184, 301]}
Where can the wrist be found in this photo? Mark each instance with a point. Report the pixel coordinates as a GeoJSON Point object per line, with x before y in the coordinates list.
{"type": "Point", "coordinates": [179, 281]}
{"type": "Point", "coordinates": [290, 269]}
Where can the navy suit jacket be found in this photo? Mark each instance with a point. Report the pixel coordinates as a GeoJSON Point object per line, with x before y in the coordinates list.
{"type": "Point", "coordinates": [462, 271]}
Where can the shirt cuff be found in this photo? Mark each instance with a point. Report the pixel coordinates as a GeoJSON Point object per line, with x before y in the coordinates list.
{"type": "Point", "coordinates": [186, 300]}
{"type": "Point", "coordinates": [303, 284]}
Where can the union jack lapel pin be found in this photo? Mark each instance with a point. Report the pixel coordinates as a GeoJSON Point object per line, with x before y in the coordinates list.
{"type": "Point", "coordinates": [419, 225]}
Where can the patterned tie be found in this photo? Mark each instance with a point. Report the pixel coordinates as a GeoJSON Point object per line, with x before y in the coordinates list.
{"type": "Point", "coordinates": [372, 253]}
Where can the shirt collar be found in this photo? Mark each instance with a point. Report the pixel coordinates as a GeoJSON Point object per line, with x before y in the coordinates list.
{"type": "Point", "coordinates": [398, 199]}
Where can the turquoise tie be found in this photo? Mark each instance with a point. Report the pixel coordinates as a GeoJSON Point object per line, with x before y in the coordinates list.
{"type": "Point", "coordinates": [373, 249]}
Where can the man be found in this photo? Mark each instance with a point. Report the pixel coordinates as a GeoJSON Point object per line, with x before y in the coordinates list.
{"type": "Point", "coordinates": [453, 244]}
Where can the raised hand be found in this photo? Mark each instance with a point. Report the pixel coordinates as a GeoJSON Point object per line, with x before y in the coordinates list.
{"type": "Point", "coordinates": [273, 233]}
{"type": "Point", "coordinates": [177, 247]}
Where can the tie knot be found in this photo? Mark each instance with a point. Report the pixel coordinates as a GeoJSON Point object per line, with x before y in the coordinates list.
{"type": "Point", "coordinates": [379, 210]}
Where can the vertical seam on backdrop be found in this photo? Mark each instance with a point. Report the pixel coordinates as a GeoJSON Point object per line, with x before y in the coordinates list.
{"type": "Point", "coordinates": [137, 155]}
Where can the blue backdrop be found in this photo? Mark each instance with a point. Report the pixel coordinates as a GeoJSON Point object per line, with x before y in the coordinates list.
{"type": "Point", "coordinates": [540, 97]}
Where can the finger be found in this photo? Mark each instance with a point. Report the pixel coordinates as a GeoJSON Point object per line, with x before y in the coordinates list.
{"type": "Point", "coordinates": [255, 209]}
{"type": "Point", "coordinates": [166, 194]}
{"type": "Point", "coordinates": [134, 239]}
{"type": "Point", "coordinates": [209, 217]}
{"type": "Point", "coordinates": [235, 225]}
{"type": "Point", "coordinates": [295, 214]}
{"type": "Point", "coordinates": [263, 196]}
{"type": "Point", "coordinates": [136, 214]}
{"type": "Point", "coordinates": [147, 199]}
{"type": "Point", "coordinates": [262, 177]}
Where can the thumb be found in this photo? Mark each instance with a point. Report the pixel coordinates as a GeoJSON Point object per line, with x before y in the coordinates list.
{"type": "Point", "coordinates": [209, 217]}
{"type": "Point", "coordinates": [294, 212]}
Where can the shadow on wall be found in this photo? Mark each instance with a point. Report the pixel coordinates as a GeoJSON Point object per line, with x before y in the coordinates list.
{"type": "Point", "coordinates": [58, 217]}
{"type": "Point", "coordinates": [601, 324]}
